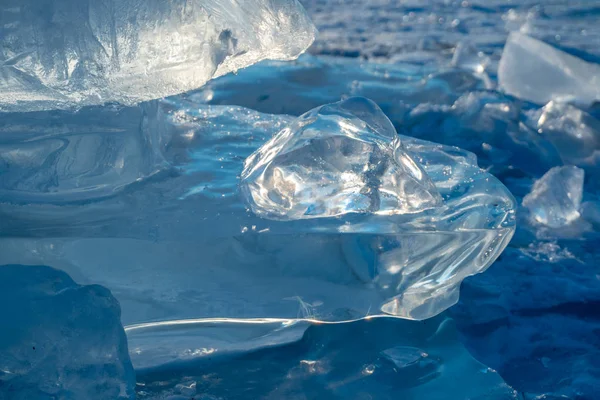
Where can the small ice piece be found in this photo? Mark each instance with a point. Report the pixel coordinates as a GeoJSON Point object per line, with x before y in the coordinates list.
{"type": "Point", "coordinates": [336, 159]}
{"type": "Point", "coordinates": [59, 53]}
{"type": "Point", "coordinates": [555, 198]}
{"type": "Point", "coordinates": [60, 340]}
{"type": "Point", "coordinates": [535, 71]}
{"type": "Point", "coordinates": [574, 133]}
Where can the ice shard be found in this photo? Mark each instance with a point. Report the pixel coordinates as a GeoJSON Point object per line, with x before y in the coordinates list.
{"type": "Point", "coordinates": [535, 71]}
{"type": "Point", "coordinates": [58, 53]}
{"type": "Point", "coordinates": [555, 198]}
{"type": "Point", "coordinates": [574, 132]}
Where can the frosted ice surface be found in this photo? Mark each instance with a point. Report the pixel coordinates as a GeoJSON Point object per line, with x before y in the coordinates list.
{"type": "Point", "coordinates": [60, 340]}
{"type": "Point", "coordinates": [535, 71]}
{"type": "Point", "coordinates": [555, 198]}
{"type": "Point", "coordinates": [336, 159]}
{"type": "Point", "coordinates": [62, 52]}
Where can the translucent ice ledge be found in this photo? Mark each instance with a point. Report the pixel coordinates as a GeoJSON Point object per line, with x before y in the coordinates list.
{"type": "Point", "coordinates": [446, 218]}
{"type": "Point", "coordinates": [535, 71]}
{"type": "Point", "coordinates": [185, 245]}
{"type": "Point", "coordinates": [58, 53]}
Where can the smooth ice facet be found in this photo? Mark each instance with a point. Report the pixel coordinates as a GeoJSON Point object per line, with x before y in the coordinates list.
{"type": "Point", "coordinates": [336, 159]}
{"type": "Point", "coordinates": [60, 340]}
{"type": "Point", "coordinates": [555, 198]}
{"type": "Point", "coordinates": [535, 71]}
{"type": "Point", "coordinates": [58, 53]}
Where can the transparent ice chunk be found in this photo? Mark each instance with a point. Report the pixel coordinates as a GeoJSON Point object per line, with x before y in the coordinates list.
{"type": "Point", "coordinates": [62, 52]}
{"type": "Point", "coordinates": [151, 247]}
{"type": "Point", "coordinates": [555, 198]}
{"type": "Point", "coordinates": [339, 158]}
{"type": "Point", "coordinates": [573, 132]}
{"type": "Point", "coordinates": [467, 57]}
{"type": "Point", "coordinates": [60, 340]}
{"type": "Point", "coordinates": [535, 71]}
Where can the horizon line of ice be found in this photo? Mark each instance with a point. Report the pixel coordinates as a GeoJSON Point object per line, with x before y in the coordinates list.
{"type": "Point", "coordinates": [71, 53]}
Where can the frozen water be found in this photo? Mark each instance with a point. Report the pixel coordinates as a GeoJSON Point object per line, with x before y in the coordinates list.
{"type": "Point", "coordinates": [379, 359]}
{"type": "Point", "coordinates": [411, 31]}
{"type": "Point", "coordinates": [59, 53]}
{"type": "Point", "coordinates": [68, 156]}
{"type": "Point", "coordinates": [315, 81]}
{"type": "Point", "coordinates": [153, 249]}
{"type": "Point", "coordinates": [528, 317]}
{"type": "Point", "coordinates": [339, 158]}
{"type": "Point", "coordinates": [535, 71]}
{"type": "Point", "coordinates": [449, 107]}
{"type": "Point", "coordinates": [178, 246]}
{"type": "Point", "coordinates": [572, 131]}
{"type": "Point", "coordinates": [555, 198]}
{"type": "Point", "coordinates": [60, 340]}
{"type": "Point", "coordinates": [490, 125]}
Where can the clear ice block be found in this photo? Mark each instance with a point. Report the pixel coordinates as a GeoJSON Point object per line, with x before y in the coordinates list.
{"type": "Point", "coordinates": [60, 53]}
{"type": "Point", "coordinates": [555, 198]}
{"type": "Point", "coordinates": [340, 158]}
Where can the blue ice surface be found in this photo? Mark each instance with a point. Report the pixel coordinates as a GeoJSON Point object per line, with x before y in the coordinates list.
{"type": "Point", "coordinates": [142, 227]}
{"type": "Point", "coordinates": [60, 339]}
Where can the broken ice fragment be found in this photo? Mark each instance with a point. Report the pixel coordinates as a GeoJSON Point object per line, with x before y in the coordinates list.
{"type": "Point", "coordinates": [60, 340]}
{"type": "Point", "coordinates": [58, 53]}
{"type": "Point", "coordinates": [336, 159]}
{"type": "Point", "coordinates": [468, 57]}
{"type": "Point", "coordinates": [555, 198]}
{"type": "Point", "coordinates": [535, 71]}
{"type": "Point", "coordinates": [574, 133]}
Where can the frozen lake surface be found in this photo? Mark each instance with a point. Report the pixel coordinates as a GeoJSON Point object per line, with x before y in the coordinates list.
{"type": "Point", "coordinates": [299, 268]}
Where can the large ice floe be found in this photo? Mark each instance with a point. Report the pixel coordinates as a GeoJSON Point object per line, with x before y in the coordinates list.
{"type": "Point", "coordinates": [153, 247]}
{"type": "Point", "coordinates": [60, 340]}
{"type": "Point", "coordinates": [62, 53]}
